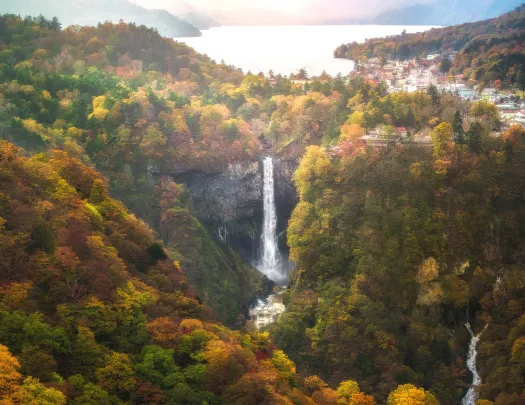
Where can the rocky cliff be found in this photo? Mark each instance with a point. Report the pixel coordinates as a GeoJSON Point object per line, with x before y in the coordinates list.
{"type": "Point", "coordinates": [230, 202]}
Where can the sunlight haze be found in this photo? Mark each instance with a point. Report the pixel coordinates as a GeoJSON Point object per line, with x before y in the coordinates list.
{"type": "Point", "coordinates": [272, 12]}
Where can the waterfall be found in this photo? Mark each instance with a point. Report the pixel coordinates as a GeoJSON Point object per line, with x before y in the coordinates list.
{"type": "Point", "coordinates": [472, 395]}
{"type": "Point", "coordinates": [271, 260]}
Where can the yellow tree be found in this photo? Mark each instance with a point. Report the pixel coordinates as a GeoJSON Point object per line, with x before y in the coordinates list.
{"type": "Point", "coordinates": [33, 392]}
{"type": "Point", "coordinates": [441, 137]}
{"type": "Point", "coordinates": [361, 399]}
{"type": "Point", "coordinates": [410, 395]}
{"type": "Point", "coordinates": [9, 375]}
{"type": "Point", "coordinates": [348, 388]}
{"type": "Point", "coordinates": [351, 132]}
{"type": "Point", "coordinates": [118, 375]}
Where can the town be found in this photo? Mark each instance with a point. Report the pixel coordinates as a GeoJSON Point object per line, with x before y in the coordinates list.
{"type": "Point", "coordinates": [422, 74]}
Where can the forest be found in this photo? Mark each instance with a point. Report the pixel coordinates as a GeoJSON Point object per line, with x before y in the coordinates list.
{"type": "Point", "coordinates": [113, 292]}
{"type": "Point", "coordinates": [484, 51]}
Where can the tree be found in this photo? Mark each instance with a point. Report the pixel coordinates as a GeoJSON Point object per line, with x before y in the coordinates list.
{"type": "Point", "coordinates": [89, 355]}
{"type": "Point", "coordinates": [9, 375]}
{"type": "Point", "coordinates": [459, 132]}
{"type": "Point", "coordinates": [326, 396]}
{"type": "Point", "coordinates": [474, 137]}
{"type": "Point", "coordinates": [33, 392]}
{"type": "Point", "coordinates": [348, 388]}
{"type": "Point", "coordinates": [441, 137]}
{"type": "Point", "coordinates": [158, 367]}
{"type": "Point", "coordinates": [302, 74]}
{"type": "Point", "coordinates": [164, 332]}
{"type": "Point", "coordinates": [445, 65]}
{"type": "Point", "coordinates": [409, 395]}
{"type": "Point", "coordinates": [484, 109]}
{"type": "Point", "coordinates": [117, 376]}
{"type": "Point", "coordinates": [351, 132]}
{"type": "Point", "coordinates": [284, 366]}
{"type": "Point", "coordinates": [428, 271]}
{"type": "Point", "coordinates": [55, 24]}
{"type": "Point", "coordinates": [154, 143]}
{"type": "Point", "coordinates": [361, 399]}
{"type": "Point", "coordinates": [433, 92]}
{"type": "Point", "coordinates": [514, 135]}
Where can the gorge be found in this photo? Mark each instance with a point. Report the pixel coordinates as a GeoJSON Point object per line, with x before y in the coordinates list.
{"type": "Point", "coordinates": [139, 191]}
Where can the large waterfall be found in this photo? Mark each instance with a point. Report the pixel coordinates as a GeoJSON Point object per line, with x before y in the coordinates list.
{"type": "Point", "coordinates": [271, 260]}
{"type": "Point", "coordinates": [472, 394]}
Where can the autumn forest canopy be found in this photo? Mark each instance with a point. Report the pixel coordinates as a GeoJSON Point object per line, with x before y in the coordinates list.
{"type": "Point", "coordinates": [114, 291]}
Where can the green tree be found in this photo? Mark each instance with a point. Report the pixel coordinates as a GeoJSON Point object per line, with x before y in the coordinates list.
{"type": "Point", "coordinates": [474, 136]}
{"type": "Point", "coordinates": [445, 65]}
{"type": "Point", "coordinates": [459, 131]}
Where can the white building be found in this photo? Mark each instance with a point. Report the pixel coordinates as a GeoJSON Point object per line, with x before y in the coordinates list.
{"type": "Point", "coordinates": [268, 312]}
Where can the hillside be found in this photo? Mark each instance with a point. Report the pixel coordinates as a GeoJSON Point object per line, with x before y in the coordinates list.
{"type": "Point", "coordinates": [487, 51]}
{"type": "Point", "coordinates": [95, 307]}
{"type": "Point", "coordinates": [82, 107]}
{"type": "Point", "coordinates": [82, 12]}
{"type": "Point", "coordinates": [184, 10]}
{"type": "Point", "coordinates": [131, 207]}
{"type": "Point", "coordinates": [397, 248]}
{"type": "Point", "coordinates": [448, 12]}
{"type": "Point", "coordinates": [96, 312]}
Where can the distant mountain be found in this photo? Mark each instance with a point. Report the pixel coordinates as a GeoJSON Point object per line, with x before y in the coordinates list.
{"type": "Point", "coordinates": [184, 10]}
{"type": "Point", "coordinates": [442, 12]}
{"type": "Point", "coordinates": [201, 21]}
{"type": "Point", "coordinates": [84, 12]}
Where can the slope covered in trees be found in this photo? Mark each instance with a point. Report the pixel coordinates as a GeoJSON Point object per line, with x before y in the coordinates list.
{"type": "Point", "coordinates": [93, 310]}
{"type": "Point", "coordinates": [394, 248]}
{"type": "Point", "coordinates": [86, 91]}
{"type": "Point", "coordinates": [92, 12]}
{"type": "Point", "coordinates": [393, 245]}
{"type": "Point", "coordinates": [486, 50]}
{"type": "Point", "coordinates": [142, 108]}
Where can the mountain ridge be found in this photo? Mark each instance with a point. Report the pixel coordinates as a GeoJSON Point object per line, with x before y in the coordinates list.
{"type": "Point", "coordinates": [81, 12]}
{"type": "Point", "coordinates": [446, 13]}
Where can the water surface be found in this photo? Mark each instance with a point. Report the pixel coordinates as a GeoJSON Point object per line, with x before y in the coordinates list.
{"type": "Point", "coordinates": [286, 49]}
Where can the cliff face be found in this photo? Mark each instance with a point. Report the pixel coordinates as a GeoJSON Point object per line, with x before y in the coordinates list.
{"type": "Point", "coordinates": [230, 202]}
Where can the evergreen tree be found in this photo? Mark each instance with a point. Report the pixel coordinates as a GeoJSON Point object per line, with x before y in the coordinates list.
{"type": "Point", "coordinates": [474, 135]}
{"type": "Point", "coordinates": [434, 93]}
{"type": "Point", "coordinates": [459, 132]}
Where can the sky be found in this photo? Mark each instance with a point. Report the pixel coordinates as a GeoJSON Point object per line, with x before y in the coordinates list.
{"type": "Point", "coordinates": [278, 11]}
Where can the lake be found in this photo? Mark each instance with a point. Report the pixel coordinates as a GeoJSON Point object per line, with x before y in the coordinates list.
{"type": "Point", "coordinates": [286, 49]}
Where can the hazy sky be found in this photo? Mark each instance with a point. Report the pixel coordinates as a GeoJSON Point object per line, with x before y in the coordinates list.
{"type": "Point", "coordinates": [251, 11]}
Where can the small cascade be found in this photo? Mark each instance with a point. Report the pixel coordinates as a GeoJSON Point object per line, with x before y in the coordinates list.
{"type": "Point", "coordinates": [472, 394]}
{"type": "Point", "coordinates": [271, 260]}
{"type": "Point", "coordinates": [222, 234]}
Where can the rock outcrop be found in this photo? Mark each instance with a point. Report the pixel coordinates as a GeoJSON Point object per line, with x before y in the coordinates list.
{"type": "Point", "coordinates": [230, 202]}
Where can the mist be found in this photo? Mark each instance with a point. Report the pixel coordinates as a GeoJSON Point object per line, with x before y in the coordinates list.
{"type": "Point", "coordinates": [240, 12]}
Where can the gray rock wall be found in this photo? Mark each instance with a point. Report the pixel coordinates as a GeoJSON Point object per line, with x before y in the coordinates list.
{"type": "Point", "coordinates": [230, 202]}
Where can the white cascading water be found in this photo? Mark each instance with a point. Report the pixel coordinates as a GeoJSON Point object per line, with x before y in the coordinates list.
{"type": "Point", "coordinates": [271, 260]}
{"type": "Point", "coordinates": [472, 394]}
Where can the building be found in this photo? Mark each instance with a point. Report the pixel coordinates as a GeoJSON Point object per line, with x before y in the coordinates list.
{"type": "Point", "coordinates": [268, 312]}
{"type": "Point", "coordinates": [402, 132]}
